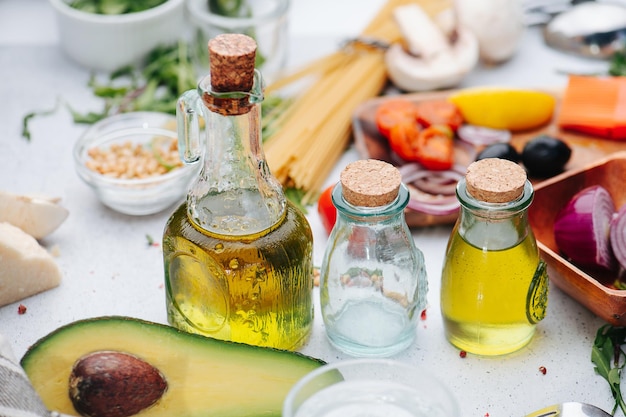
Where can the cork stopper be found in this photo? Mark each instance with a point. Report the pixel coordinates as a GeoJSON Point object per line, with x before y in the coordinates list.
{"type": "Point", "coordinates": [231, 58]}
{"type": "Point", "coordinates": [370, 183]}
{"type": "Point", "coordinates": [495, 180]}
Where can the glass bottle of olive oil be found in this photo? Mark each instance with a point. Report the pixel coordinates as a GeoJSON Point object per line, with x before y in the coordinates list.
{"type": "Point", "coordinates": [494, 284]}
{"type": "Point", "coordinates": [237, 254]}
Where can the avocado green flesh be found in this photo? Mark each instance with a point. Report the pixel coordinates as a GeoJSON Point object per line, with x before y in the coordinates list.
{"type": "Point", "coordinates": [206, 377]}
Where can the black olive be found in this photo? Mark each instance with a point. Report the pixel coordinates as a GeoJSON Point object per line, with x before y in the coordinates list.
{"type": "Point", "coordinates": [545, 156]}
{"type": "Point", "coordinates": [500, 150]}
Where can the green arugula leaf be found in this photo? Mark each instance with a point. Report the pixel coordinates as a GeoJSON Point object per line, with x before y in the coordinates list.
{"type": "Point", "coordinates": [230, 8]}
{"type": "Point", "coordinates": [85, 118]}
{"type": "Point", "coordinates": [107, 91]}
{"type": "Point", "coordinates": [295, 195]}
{"type": "Point", "coordinates": [126, 71]}
{"type": "Point", "coordinates": [114, 6]}
{"type": "Point", "coordinates": [147, 96]}
{"type": "Point", "coordinates": [156, 85]}
{"type": "Point", "coordinates": [88, 6]}
{"type": "Point", "coordinates": [29, 116]}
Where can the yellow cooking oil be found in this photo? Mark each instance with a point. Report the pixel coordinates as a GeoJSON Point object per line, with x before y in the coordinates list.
{"type": "Point", "coordinates": [247, 289]}
{"type": "Point", "coordinates": [492, 299]}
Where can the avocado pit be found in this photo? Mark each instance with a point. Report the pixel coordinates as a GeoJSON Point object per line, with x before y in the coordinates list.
{"type": "Point", "coordinates": [114, 384]}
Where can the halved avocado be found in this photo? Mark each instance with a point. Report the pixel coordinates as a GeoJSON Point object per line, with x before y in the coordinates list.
{"type": "Point", "coordinates": [205, 377]}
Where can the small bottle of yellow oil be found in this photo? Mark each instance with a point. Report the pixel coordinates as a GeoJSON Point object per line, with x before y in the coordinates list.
{"type": "Point", "coordinates": [237, 253]}
{"type": "Point", "coordinates": [494, 286]}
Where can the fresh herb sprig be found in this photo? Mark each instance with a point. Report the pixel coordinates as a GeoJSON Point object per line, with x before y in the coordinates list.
{"type": "Point", "coordinates": [156, 85]}
{"type": "Point", "coordinates": [167, 72]}
{"type": "Point", "coordinates": [617, 64]}
{"type": "Point", "coordinates": [27, 118]}
{"type": "Point", "coordinates": [609, 358]}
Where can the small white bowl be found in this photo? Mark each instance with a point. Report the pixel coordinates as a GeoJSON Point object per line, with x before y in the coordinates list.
{"type": "Point", "coordinates": [136, 196]}
{"type": "Point", "coordinates": [108, 42]}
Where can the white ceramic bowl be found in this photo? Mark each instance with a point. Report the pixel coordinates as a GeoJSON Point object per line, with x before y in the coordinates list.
{"type": "Point", "coordinates": [136, 196]}
{"type": "Point", "coordinates": [108, 42]}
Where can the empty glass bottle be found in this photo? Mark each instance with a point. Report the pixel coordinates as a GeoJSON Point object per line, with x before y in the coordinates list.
{"type": "Point", "coordinates": [373, 281]}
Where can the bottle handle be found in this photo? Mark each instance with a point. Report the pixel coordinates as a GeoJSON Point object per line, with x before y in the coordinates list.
{"type": "Point", "coordinates": [188, 111]}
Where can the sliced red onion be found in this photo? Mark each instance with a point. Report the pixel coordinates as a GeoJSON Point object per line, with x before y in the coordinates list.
{"type": "Point", "coordinates": [459, 168]}
{"type": "Point", "coordinates": [441, 178]}
{"type": "Point", "coordinates": [617, 236]}
{"type": "Point", "coordinates": [408, 168]}
{"type": "Point", "coordinates": [412, 171]}
{"type": "Point", "coordinates": [432, 192]}
{"type": "Point", "coordinates": [432, 182]}
{"type": "Point", "coordinates": [470, 150]}
{"type": "Point", "coordinates": [581, 228]}
{"type": "Point", "coordinates": [433, 199]}
{"type": "Point", "coordinates": [478, 135]}
{"type": "Point", "coordinates": [439, 182]}
{"type": "Point", "coordinates": [436, 208]}
{"type": "Point", "coordinates": [438, 205]}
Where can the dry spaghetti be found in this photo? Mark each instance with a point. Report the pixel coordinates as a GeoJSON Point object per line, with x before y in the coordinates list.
{"type": "Point", "coordinates": [316, 128]}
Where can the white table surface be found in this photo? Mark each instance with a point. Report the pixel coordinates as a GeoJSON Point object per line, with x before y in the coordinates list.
{"type": "Point", "coordinates": [108, 268]}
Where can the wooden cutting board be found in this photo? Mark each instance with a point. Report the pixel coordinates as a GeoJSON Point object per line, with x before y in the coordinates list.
{"type": "Point", "coordinates": [371, 144]}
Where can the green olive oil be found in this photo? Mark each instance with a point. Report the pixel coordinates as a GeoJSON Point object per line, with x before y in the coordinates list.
{"type": "Point", "coordinates": [237, 254]}
{"type": "Point", "coordinates": [248, 289]}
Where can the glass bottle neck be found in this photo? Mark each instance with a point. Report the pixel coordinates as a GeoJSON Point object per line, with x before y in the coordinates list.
{"type": "Point", "coordinates": [493, 226]}
{"type": "Point", "coordinates": [235, 193]}
{"type": "Point", "coordinates": [390, 212]}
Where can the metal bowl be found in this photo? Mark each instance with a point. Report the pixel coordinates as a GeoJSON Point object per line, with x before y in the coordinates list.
{"type": "Point", "coordinates": [590, 29]}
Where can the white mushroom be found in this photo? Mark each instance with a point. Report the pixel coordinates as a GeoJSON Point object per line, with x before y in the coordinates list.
{"type": "Point", "coordinates": [431, 61]}
{"type": "Point", "coordinates": [497, 24]}
{"type": "Point", "coordinates": [424, 38]}
{"type": "Point", "coordinates": [36, 215]}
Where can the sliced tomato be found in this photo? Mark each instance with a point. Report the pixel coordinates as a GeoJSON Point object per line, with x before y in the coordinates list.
{"type": "Point", "coordinates": [435, 148]}
{"type": "Point", "coordinates": [439, 112]}
{"type": "Point", "coordinates": [403, 139]}
{"type": "Point", "coordinates": [392, 112]}
{"type": "Point", "coordinates": [326, 209]}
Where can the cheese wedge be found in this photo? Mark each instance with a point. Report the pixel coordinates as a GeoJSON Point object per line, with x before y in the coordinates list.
{"type": "Point", "coordinates": [26, 268]}
{"type": "Point", "coordinates": [36, 215]}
